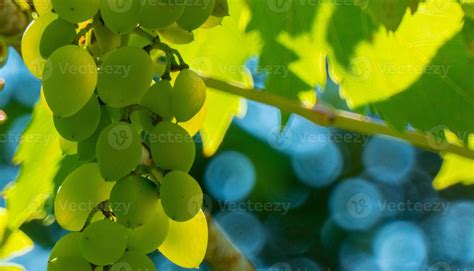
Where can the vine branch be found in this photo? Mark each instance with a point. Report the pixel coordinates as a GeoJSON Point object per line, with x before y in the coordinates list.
{"type": "Point", "coordinates": [345, 120]}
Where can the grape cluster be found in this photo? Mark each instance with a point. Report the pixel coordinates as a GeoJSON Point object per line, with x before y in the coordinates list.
{"type": "Point", "coordinates": [123, 103]}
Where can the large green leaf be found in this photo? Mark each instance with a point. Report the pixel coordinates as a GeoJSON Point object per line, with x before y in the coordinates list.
{"type": "Point", "coordinates": [442, 97]}
{"type": "Point", "coordinates": [17, 244]}
{"type": "Point", "coordinates": [374, 66]}
{"type": "Point", "coordinates": [39, 156]}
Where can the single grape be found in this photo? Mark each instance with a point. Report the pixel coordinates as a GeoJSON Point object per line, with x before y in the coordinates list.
{"type": "Point", "coordinates": [133, 261]}
{"type": "Point", "coordinates": [151, 235]}
{"type": "Point", "coordinates": [125, 75]}
{"type": "Point", "coordinates": [86, 149]}
{"type": "Point", "coordinates": [172, 147]}
{"type": "Point", "coordinates": [181, 196]}
{"type": "Point", "coordinates": [103, 242]}
{"type": "Point", "coordinates": [120, 16]}
{"type": "Point", "coordinates": [69, 264]}
{"type": "Point", "coordinates": [175, 34]}
{"type": "Point", "coordinates": [67, 246]}
{"type": "Point", "coordinates": [212, 22]}
{"type": "Point", "coordinates": [57, 34]}
{"type": "Point", "coordinates": [221, 8]}
{"type": "Point", "coordinates": [160, 13]}
{"type": "Point", "coordinates": [76, 11]}
{"type": "Point", "coordinates": [81, 125]}
{"type": "Point", "coordinates": [196, 14]}
{"type": "Point", "coordinates": [42, 6]}
{"type": "Point", "coordinates": [189, 95]}
{"type": "Point", "coordinates": [78, 195]}
{"type": "Point", "coordinates": [146, 119]}
{"type": "Point", "coordinates": [118, 151]}
{"type": "Point", "coordinates": [69, 80]}
{"type": "Point", "coordinates": [106, 39]}
{"type": "Point", "coordinates": [133, 199]}
{"type": "Point", "coordinates": [158, 99]}
{"type": "Point", "coordinates": [30, 43]}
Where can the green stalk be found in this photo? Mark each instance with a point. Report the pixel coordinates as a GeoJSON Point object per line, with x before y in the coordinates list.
{"type": "Point", "coordinates": [345, 120]}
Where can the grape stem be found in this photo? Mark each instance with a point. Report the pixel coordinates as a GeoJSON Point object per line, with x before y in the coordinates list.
{"type": "Point", "coordinates": [325, 116]}
{"type": "Point", "coordinates": [82, 32]}
{"type": "Point", "coordinates": [104, 208]}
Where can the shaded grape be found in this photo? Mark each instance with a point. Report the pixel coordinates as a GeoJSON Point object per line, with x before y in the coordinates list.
{"type": "Point", "coordinates": [86, 149]}
{"type": "Point", "coordinates": [81, 125]}
{"type": "Point", "coordinates": [76, 11]}
{"type": "Point", "coordinates": [78, 195]}
{"type": "Point", "coordinates": [151, 235]}
{"type": "Point", "coordinates": [189, 95]}
{"type": "Point", "coordinates": [160, 13]}
{"type": "Point", "coordinates": [125, 76]}
{"type": "Point", "coordinates": [172, 147]}
{"type": "Point", "coordinates": [133, 261]}
{"type": "Point", "coordinates": [181, 196]}
{"type": "Point", "coordinates": [69, 263]}
{"type": "Point", "coordinates": [212, 22]}
{"type": "Point", "coordinates": [67, 246]}
{"type": "Point", "coordinates": [118, 150]}
{"type": "Point", "coordinates": [103, 242]}
{"type": "Point", "coordinates": [69, 80]}
{"type": "Point", "coordinates": [175, 34]}
{"type": "Point", "coordinates": [158, 99]}
{"type": "Point", "coordinates": [106, 39]}
{"type": "Point", "coordinates": [196, 14]}
{"type": "Point", "coordinates": [221, 8]}
{"type": "Point", "coordinates": [120, 16]}
{"type": "Point", "coordinates": [133, 199]}
{"type": "Point", "coordinates": [57, 34]}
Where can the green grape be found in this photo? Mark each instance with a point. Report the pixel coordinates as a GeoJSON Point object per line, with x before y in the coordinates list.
{"type": "Point", "coordinates": [125, 75]}
{"type": "Point", "coordinates": [76, 11]}
{"type": "Point", "coordinates": [103, 242]}
{"type": "Point", "coordinates": [67, 147]}
{"type": "Point", "coordinates": [78, 195]}
{"type": "Point", "coordinates": [42, 6]}
{"type": "Point", "coordinates": [196, 14]}
{"type": "Point", "coordinates": [158, 99]}
{"type": "Point", "coordinates": [106, 39]}
{"type": "Point", "coordinates": [135, 121]}
{"type": "Point", "coordinates": [160, 13]}
{"type": "Point", "coordinates": [69, 80]}
{"type": "Point", "coordinates": [133, 261]}
{"type": "Point", "coordinates": [86, 148]}
{"type": "Point", "coordinates": [120, 16]}
{"type": "Point", "coordinates": [189, 95]}
{"type": "Point", "coordinates": [57, 34]}
{"type": "Point", "coordinates": [133, 199]}
{"type": "Point", "coordinates": [175, 34]}
{"type": "Point", "coordinates": [181, 196]}
{"type": "Point", "coordinates": [67, 246]}
{"type": "Point", "coordinates": [146, 119]}
{"type": "Point", "coordinates": [30, 43]}
{"type": "Point", "coordinates": [118, 151]}
{"type": "Point", "coordinates": [151, 235]}
{"type": "Point", "coordinates": [172, 147]}
{"type": "Point", "coordinates": [221, 8]}
{"type": "Point", "coordinates": [69, 264]}
{"type": "Point", "coordinates": [212, 22]}
{"type": "Point", "coordinates": [81, 125]}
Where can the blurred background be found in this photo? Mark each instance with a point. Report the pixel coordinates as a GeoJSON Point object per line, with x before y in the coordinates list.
{"type": "Point", "coordinates": [308, 198]}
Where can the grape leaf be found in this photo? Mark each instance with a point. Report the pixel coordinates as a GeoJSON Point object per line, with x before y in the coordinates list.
{"type": "Point", "coordinates": [383, 64]}
{"type": "Point", "coordinates": [220, 53]}
{"type": "Point", "coordinates": [17, 244]}
{"type": "Point", "coordinates": [186, 243]}
{"type": "Point", "coordinates": [39, 155]}
{"type": "Point", "coordinates": [442, 97]}
{"type": "Point", "coordinates": [455, 169]}
{"type": "Point", "coordinates": [389, 12]}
